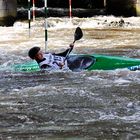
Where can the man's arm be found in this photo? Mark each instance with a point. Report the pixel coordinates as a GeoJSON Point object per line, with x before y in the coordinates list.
{"type": "Point", "coordinates": [66, 51]}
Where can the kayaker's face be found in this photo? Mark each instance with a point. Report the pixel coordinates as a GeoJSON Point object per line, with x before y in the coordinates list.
{"type": "Point", "coordinates": [39, 55]}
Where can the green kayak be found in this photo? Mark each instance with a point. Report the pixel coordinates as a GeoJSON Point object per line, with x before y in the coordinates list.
{"type": "Point", "coordinates": [81, 62]}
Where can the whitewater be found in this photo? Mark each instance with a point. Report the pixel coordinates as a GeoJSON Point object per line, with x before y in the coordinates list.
{"type": "Point", "coordinates": [70, 105]}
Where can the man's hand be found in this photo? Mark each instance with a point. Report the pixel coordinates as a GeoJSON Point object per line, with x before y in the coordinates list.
{"type": "Point", "coordinates": [61, 65]}
{"type": "Point", "coordinates": [71, 45]}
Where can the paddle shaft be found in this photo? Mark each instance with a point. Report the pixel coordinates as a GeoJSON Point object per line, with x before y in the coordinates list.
{"type": "Point", "coordinates": [69, 51]}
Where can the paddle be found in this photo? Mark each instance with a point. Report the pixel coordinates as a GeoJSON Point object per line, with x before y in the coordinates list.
{"type": "Point", "coordinates": [77, 35]}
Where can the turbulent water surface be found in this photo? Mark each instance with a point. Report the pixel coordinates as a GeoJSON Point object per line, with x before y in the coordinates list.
{"type": "Point", "coordinates": [70, 105]}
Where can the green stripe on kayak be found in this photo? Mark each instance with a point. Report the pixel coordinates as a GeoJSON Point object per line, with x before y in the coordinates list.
{"type": "Point", "coordinates": [26, 67]}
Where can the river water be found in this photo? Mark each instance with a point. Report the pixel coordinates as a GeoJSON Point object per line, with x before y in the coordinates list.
{"type": "Point", "coordinates": [70, 105]}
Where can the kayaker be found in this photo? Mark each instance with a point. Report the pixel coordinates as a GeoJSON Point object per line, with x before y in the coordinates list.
{"type": "Point", "coordinates": [50, 60]}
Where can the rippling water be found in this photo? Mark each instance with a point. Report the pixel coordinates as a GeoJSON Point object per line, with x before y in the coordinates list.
{"type": "Point", "coordinates": [70, 105]}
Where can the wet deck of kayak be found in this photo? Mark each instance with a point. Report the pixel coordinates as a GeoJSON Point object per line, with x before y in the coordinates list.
{"type": "Point", "coordinates": [70, 105]}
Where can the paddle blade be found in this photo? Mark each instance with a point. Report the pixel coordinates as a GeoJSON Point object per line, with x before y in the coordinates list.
{"type": "Point", "coordinates": [78, 34]}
